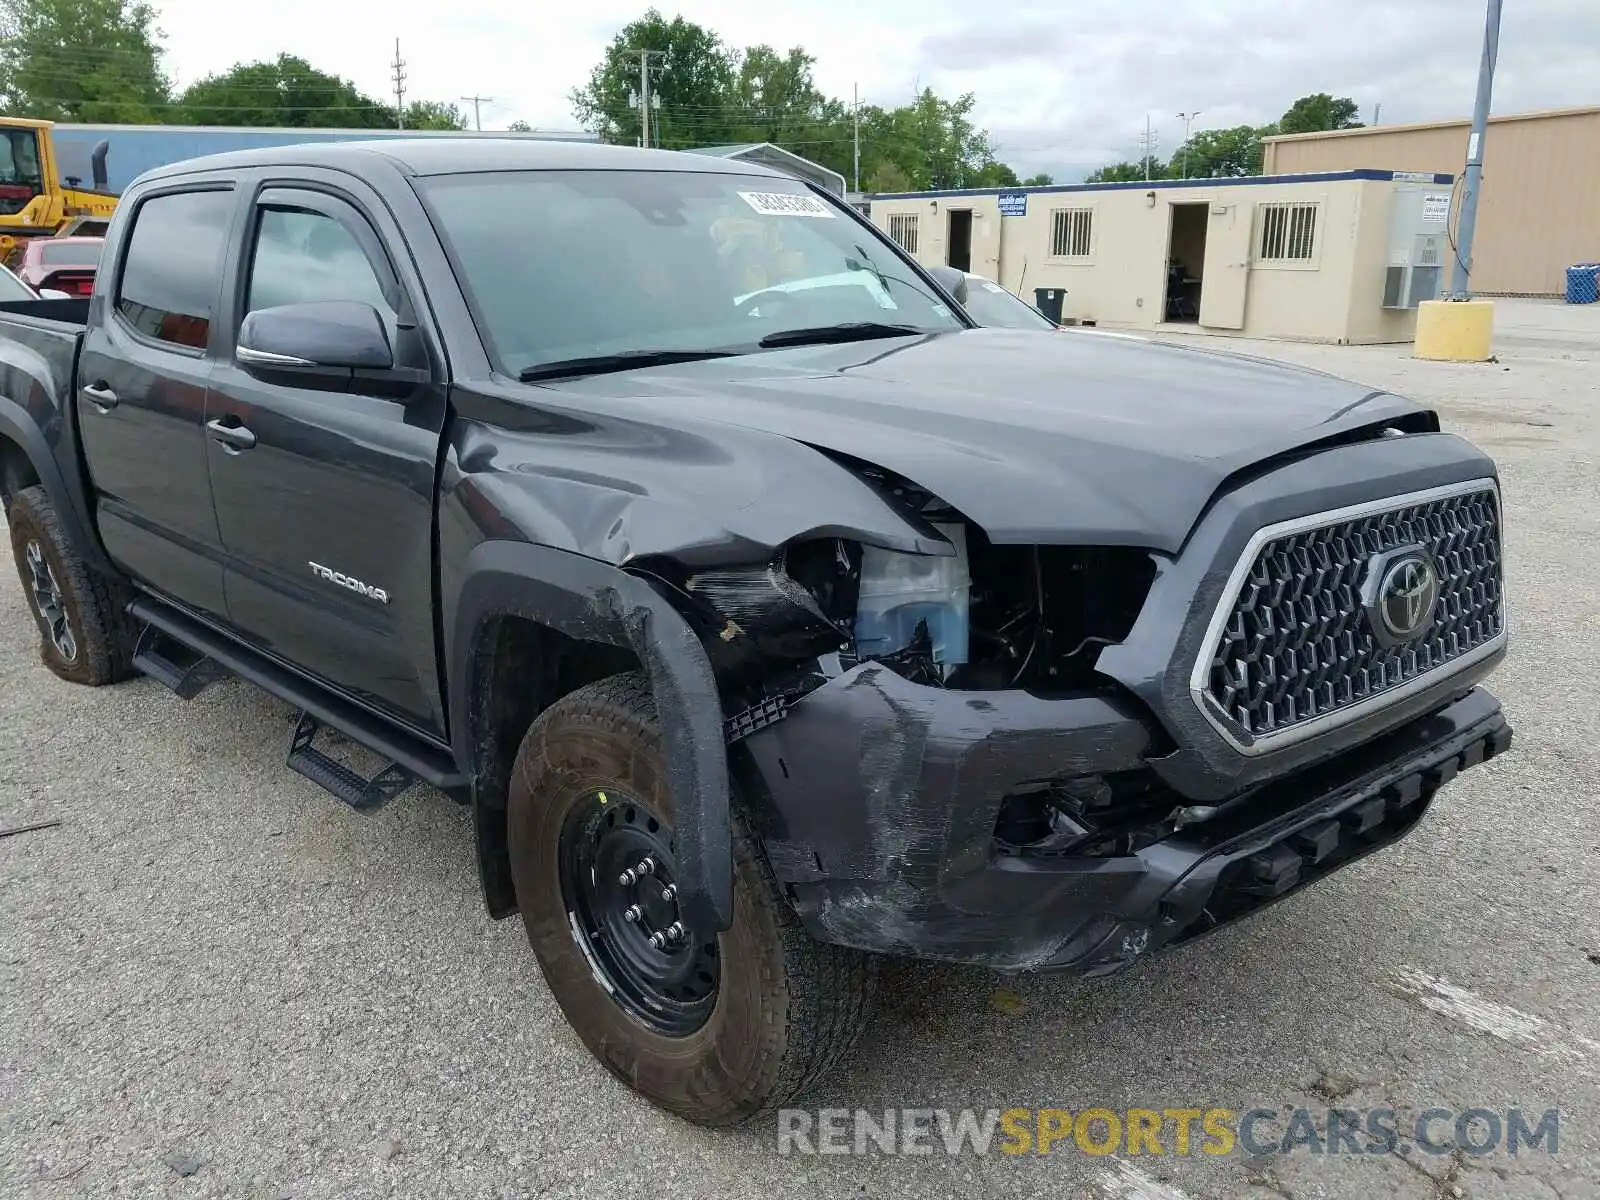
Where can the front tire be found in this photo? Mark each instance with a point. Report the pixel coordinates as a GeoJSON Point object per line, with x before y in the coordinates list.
{"type": "Point", "coordinates": [82, 627]}
{"type": "Point", "coordinates": [717, 1028]}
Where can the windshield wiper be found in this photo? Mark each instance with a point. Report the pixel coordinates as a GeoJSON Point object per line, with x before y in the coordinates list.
{"type": "Point", "coordinates": [626, 360]}
{"type": "Point", "coordinates": [849, 331]}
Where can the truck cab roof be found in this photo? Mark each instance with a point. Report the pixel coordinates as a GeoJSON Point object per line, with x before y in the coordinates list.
{"type": "Point", "coordinates": [445, 156]}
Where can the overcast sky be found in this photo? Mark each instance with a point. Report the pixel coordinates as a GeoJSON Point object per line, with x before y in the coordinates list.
{"type": "Point", "coordinates": [1062, 86]}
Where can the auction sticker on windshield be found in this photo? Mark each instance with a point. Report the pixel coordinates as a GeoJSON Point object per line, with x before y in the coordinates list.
{"type": "Point", "coordinates": [786, 204]}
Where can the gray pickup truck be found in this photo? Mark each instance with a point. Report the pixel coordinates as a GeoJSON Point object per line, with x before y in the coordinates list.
{"type": "Point", "coordinates": [770, 615]}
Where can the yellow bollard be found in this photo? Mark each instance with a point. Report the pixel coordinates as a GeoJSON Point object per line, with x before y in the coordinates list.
{"type": "Point", "coordinates": [1454, 330]}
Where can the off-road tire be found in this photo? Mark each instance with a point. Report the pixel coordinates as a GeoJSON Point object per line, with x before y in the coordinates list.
{"type": "Point", "coordinates": [92, 604]}
{"type": "Point", "coordinates": [787, 1007]}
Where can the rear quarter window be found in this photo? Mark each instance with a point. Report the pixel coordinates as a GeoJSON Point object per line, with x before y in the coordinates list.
{"type": "Point", "coordinates": [69, 254]}
{"type": "Point", "coordinates": [172, 273]}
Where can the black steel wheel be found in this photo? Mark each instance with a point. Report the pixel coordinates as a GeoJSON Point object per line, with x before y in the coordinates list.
{"type": "Point", "coordinates": [719, 1028]}
{"type": "Point", "coordinates": [619, 884]}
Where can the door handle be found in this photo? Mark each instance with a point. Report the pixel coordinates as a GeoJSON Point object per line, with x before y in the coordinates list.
{"type": "Point", "coordinates": [100, 396]}
{"type": "Point", "coordinates": [234, 438]}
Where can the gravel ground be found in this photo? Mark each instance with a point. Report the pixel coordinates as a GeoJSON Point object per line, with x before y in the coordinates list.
{"type": "Point", "coordinates": [215, 980]}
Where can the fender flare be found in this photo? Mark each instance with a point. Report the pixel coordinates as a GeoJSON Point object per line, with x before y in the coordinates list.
{"type": "Point", "coordinates": [597, 602]}
{"type": "Point", "coordinates": [17, 425]}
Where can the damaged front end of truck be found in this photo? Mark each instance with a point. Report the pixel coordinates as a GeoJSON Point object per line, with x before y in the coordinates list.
{"type": "Point", "coordinates": [1030, 683]}
{"type": "Point", "coordinates": [995, 754]}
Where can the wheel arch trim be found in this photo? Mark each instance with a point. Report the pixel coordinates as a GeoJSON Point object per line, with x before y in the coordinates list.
{"type": "Point", "coordinates": [19, 427]}
{"type": "Point", "coordinates": [593, 601]}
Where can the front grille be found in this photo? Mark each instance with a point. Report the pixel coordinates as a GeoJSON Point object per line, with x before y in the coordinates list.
{"type": "Point", "coordinates": [1297, 647]}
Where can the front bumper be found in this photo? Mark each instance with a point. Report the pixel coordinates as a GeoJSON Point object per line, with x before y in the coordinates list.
{"type": "Point", "coordinates": [877, 800]}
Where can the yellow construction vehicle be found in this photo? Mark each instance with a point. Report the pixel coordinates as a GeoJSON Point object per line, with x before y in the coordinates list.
{"type": "Point", "coordinates": [34, 201]}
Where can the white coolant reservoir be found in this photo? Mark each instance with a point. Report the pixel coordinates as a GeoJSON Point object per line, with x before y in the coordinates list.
{"type": "Point", "coordinates": [898, 591]}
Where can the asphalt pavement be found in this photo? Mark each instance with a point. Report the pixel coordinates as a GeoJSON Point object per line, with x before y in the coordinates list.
{"type": "Point", "coordinates": [217, 981]}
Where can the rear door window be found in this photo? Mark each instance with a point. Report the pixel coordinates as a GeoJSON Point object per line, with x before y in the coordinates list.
{"type": "Point", "coordinates": [172, 274]}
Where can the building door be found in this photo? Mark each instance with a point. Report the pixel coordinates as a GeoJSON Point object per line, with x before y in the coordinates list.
{"type": "Point", "coordinates": [1227, 266]}
{"type": "Point", "coordinates": [1186, 261]}
{"type": "Point", "coordinates": [958, 247]}
{"type": "Point", "coordinates": [986, 245]}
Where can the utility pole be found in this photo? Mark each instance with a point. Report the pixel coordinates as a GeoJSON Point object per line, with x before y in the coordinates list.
{"type": "Point", "coordinates": [646, 102]}
{"type": "Point", "coordinates": [399, 68]}
{"type": "Point", "coordinates": [477, 112]}
{"type": "Point", "coordinates": [644, 98]}
{"type": "Point", "coordinates": [1149, 151]}
{"type": "Point", "coordinates": [1377, 111]}
{"type": "Point", "coordinates": [1472, 181]}
{"type": "Point", "coordinates": [1188, 120]}
{"type": "Point", "coordinates": [855, 107]}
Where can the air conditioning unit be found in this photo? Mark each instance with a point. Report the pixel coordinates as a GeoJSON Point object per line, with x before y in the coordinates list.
{"type": "Point", "coordinates": [1419, 244]}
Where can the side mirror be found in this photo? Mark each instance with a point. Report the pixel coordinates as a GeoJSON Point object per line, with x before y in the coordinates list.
{"type": "Point", "coordinates": [952, 281]}
{"type": "Point", "coordinates": [339, 335]}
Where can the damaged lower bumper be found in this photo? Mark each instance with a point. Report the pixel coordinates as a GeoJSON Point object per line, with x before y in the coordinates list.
{"type": "Point", "coordinates": [881, 799]}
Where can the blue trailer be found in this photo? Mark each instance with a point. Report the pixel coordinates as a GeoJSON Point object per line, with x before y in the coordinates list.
{"type": "Point", "coordinates": [135, 149]}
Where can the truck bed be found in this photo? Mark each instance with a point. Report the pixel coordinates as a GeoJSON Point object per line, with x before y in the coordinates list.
{"type": "Point", "coordinates": [50, 314]}
{"type": "Point", "coordinates": [39, 345]}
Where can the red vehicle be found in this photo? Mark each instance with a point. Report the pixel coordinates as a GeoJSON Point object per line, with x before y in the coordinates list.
{"type": "Point", "coordinates": [63, 264]}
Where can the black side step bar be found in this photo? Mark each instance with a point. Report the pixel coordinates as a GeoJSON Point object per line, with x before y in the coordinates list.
{"type": "Point", "coordinates": [419, 758]}
{"type": "Point", "coordinates": [168, 661]}
{"type": "Point", "coordinates": [333, 776]}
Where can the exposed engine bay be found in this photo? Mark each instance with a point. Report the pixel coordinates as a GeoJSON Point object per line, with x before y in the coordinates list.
{"type": "Point", "coordinates": [981, 618]}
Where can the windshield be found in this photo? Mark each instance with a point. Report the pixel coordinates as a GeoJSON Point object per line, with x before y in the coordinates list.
{"type": "Point", "coordinates": [19, 157]}
{"type": "Point", "coordinates": [990, 304]}
{"type": "Point", "coordinates": [563, 265]}
{"type": "Point", "coordinates": [70, 254]}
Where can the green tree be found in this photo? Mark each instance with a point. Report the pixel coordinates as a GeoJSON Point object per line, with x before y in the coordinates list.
{"type": "Point", "coordinates": [519, 127]}
{"type": "Point", "coordinates": [81, 60]}
{"type": "Point", "coordinates": [775, 96]}
{"type": "Point", "coordinates": [709, 94]}
{"type": "Point", "coordinates": [430, 114]}
{"type": "Point", "coordinates": [1220, 153]}
{"type": "Point", "coordinates": [691, 71]}
{"type": "Point", "coordinates": [995, 175]}
{"type": "Point", "coordinates": [1040, 180]}
{"type": "Point", "coordinates": [287, 91]}
{"type": "Point", "coordinates": [932, 140]}
{"type": "Point", "coordinates": [1129, 172]}
{"type": "Point", "coordinates": [1318, 112]}
{"type": "Point", "coordinates": [889, 177]}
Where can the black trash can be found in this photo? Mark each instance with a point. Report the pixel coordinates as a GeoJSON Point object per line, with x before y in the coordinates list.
{"type": "Point", "coordinates": [1048, 301]}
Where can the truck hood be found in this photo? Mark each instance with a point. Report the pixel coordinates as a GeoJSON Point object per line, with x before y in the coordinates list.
{"type": "Point", "coordinates": [1038, 438]}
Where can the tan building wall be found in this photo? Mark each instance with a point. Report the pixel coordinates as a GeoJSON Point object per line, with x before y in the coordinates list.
{"type": "Point", "coordinates": [1215, 230]}
{"type": "Point", "coordinates": [1540, 209]}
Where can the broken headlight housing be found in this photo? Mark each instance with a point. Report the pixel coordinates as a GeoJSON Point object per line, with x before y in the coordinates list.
{"type": "Point", "coordinates": [907, 598]}
{"type": "Point", "coordinates": [793, 608]}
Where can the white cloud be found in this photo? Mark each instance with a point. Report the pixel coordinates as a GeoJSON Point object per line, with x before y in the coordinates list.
{"type": "Point", "coordinates": [1061, 86]}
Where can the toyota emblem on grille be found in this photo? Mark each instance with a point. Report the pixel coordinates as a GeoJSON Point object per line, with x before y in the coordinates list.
{"type": "Point", "coordinates": [1407, 594]}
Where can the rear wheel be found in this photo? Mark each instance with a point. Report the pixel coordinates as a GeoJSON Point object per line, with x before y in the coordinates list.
{"type": "Point", "coordinates": [716, 1027]}
{"type": "Point", "coordinates": [82, 628]}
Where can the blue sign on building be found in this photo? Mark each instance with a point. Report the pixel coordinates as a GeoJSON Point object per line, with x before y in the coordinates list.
{"type": "Point", "coordinates": [1013, 204]}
